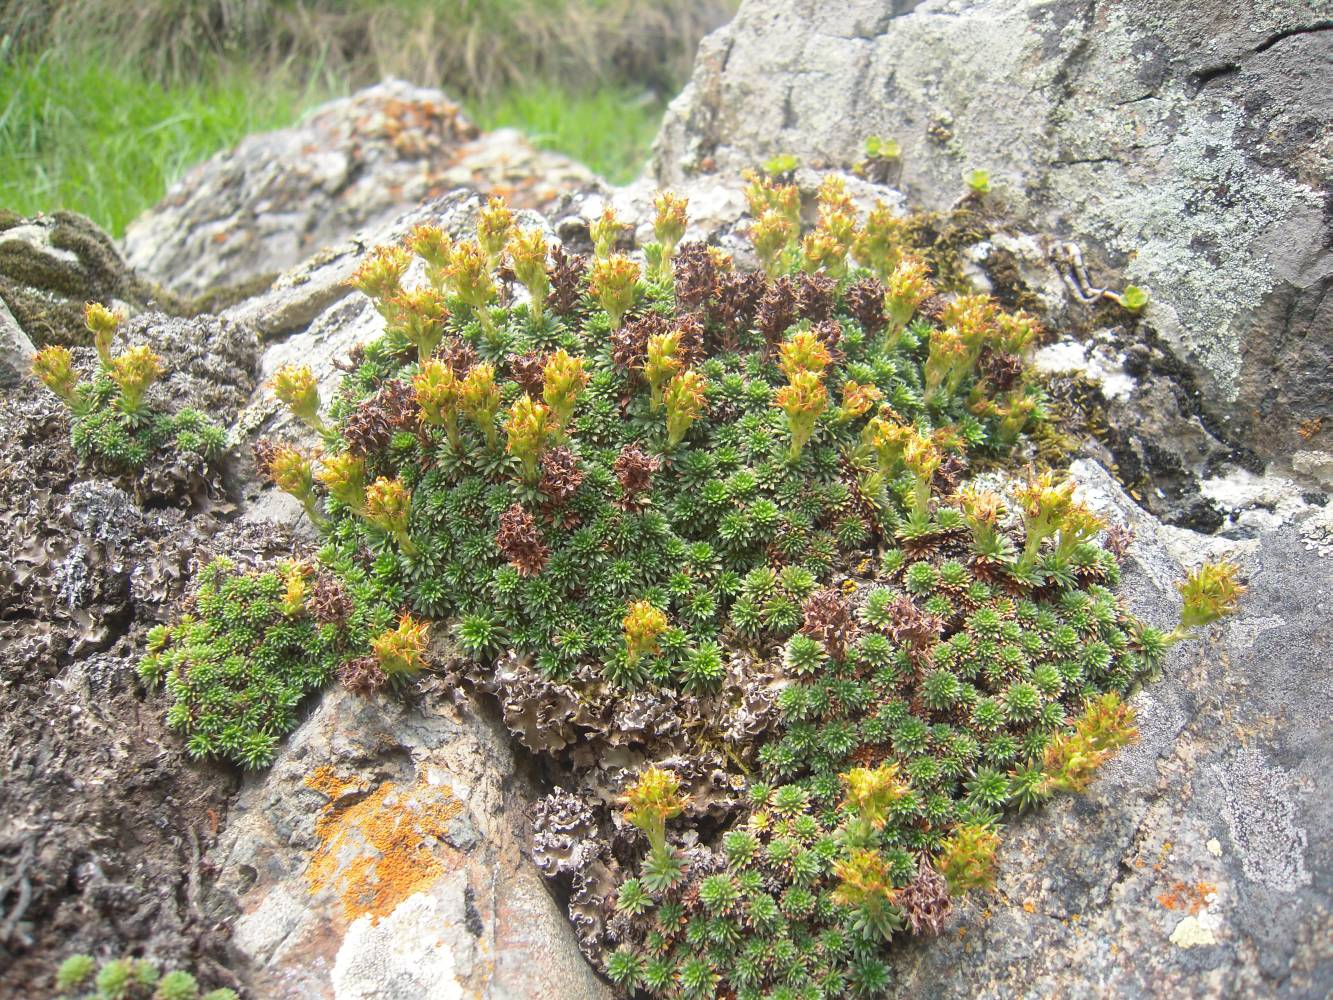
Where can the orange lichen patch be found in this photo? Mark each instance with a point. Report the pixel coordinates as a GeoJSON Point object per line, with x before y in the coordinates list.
{"type": "Point", "coordinates": [325, 780]}
{"type": "Point", "coordinates": [382, 848]}
{"type": "Point", "coordinates": [1309, 428]}
{"type": "Point", "coordinates": [1182, 896]}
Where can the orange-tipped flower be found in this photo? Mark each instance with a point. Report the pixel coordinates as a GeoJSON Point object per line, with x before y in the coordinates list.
{"type": "Point", "coordinates": [803, 352]}
{"type": "Point", "coordinates": [803, 399]}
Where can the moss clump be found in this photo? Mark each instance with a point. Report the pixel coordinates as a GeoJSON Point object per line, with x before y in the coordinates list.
{"type": "Point", "coordinates": [46, 294]}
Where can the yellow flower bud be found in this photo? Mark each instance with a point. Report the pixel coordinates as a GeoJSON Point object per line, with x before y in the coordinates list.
{"type": "Point", "coordinates": [771, 234]}
{"type": "Point", "coordinates": [605, 231]}
{"type": "Point", "coordinates": [495, 224]}
{"type": "Point", "coordinates": [670, 221]}
{"type": "Point", "coordinates": [401, 653]}
{"type": "Point", "coordinates": [880, 242]}
{"type": "Point", "coordinates": [613, 282]}
{"type": "Point", "coordinates": [479, 398]}
{"type": "Point", "coordinates": [295, 386]}
{"type": "Point", "coordinates": [102, 323]}
{"type": "Point", "coordinates": [380, 275]}
{"type": "Point", "coordinates": [134, 371]}
{"type": "Point", "coordinates": [643, 624]}
{"type": "Point", "coordinates": [438, 393]}
{"type": "Point", "coordinates": [432, 244]}
{"type": "Point", "coordinates": [420, 316]}
{"type": "Point", "coordinates": [54, 368]}
{"type": "Point", "coordinates": [344, 476]}
{"type": "Point", "coordinates": [527, 256]}
{"type": "Point", "coordinates": [661, 363]}
{"type": "Point", "coordinates": [388, 506]}
{"type": "Point", "coordinates": [684, 399]}
{"type": "Point", "coordinates": [528, 427]}
{"type": "Point", "coordinates": [563, 381]}
{"type": "Point", "coordinates": [907, 287]}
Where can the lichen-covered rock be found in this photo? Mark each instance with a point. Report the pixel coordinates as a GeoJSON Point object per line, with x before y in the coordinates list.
{"type": "Point", "coordinates": [104, 821]}
{"type": "Point", "coordinates": [382, 856]}
{"type": "Point", "coordinates": [277, 198]}
{"type": "Point", "coordinates": [1199, 864]}
{"type": "Point", "coordinates": [52, 264]}
{"type": "Point", "coordinates": [1180, 147]}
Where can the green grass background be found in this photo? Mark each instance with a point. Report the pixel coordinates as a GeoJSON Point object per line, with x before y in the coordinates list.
{"type": "Point", "coordinates": [101, 110]}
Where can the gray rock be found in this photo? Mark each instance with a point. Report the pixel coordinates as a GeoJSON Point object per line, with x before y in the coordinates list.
{"type": "Point", "coordinates": [16, 350]}
{"type": "Point", "coordinates": [50, 265]}
{"type": "Point", "coordinates": [1200, 863]}
{"type": "Point", "coordinates": [382, 855]}
{"type": "Point", "coordinates": [1182, 147]}
{"type": "Point", "coordinates": [277, 198]}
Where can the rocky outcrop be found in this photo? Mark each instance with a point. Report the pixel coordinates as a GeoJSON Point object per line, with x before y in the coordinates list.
{"type": "Point", "coordinates": [1179, 147]}
{"type": "Point", "coordinates": [277, 198]}
{"type": "Point", "coordinates": [383, 855]}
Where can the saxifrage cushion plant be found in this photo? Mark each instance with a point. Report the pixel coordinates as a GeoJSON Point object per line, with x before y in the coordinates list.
{"type": "Point", "coordinates": [635, 468]}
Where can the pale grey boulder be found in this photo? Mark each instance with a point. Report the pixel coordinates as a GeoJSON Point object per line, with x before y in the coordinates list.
{"type": "Point", "coordinates": [279, 197]}
{"type": "Point", "coordinates": [383, 856]}
{"type": "Point", "coordinates": [1182, 147]}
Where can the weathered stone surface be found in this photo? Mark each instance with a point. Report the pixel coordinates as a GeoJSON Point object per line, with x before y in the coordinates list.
{"type": "Point", "coordinates": [382, 856]}
{"type": "Point", "coordinates": [16, 350]}
{"type": "Point", "coordinates": [1199, 863]}
{"type": "Point", "coordinates": [51, 265]}
{"type": "Point", "coordinates": [354, 163]}
{"type": "Point", "coordinates": [1183, 147]}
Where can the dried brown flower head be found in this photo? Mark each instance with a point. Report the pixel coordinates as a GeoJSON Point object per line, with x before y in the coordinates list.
{"type": "Point", "coordinates": [567, 273]}
{"type": "Point", "coordinates": [634, 470]}
{"type": "Point", "coordinates": [520, 541]}
{"type": "Point", "coordinates": [828, 618]}
{"type": "Point", "coordinates": [865, 301]}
